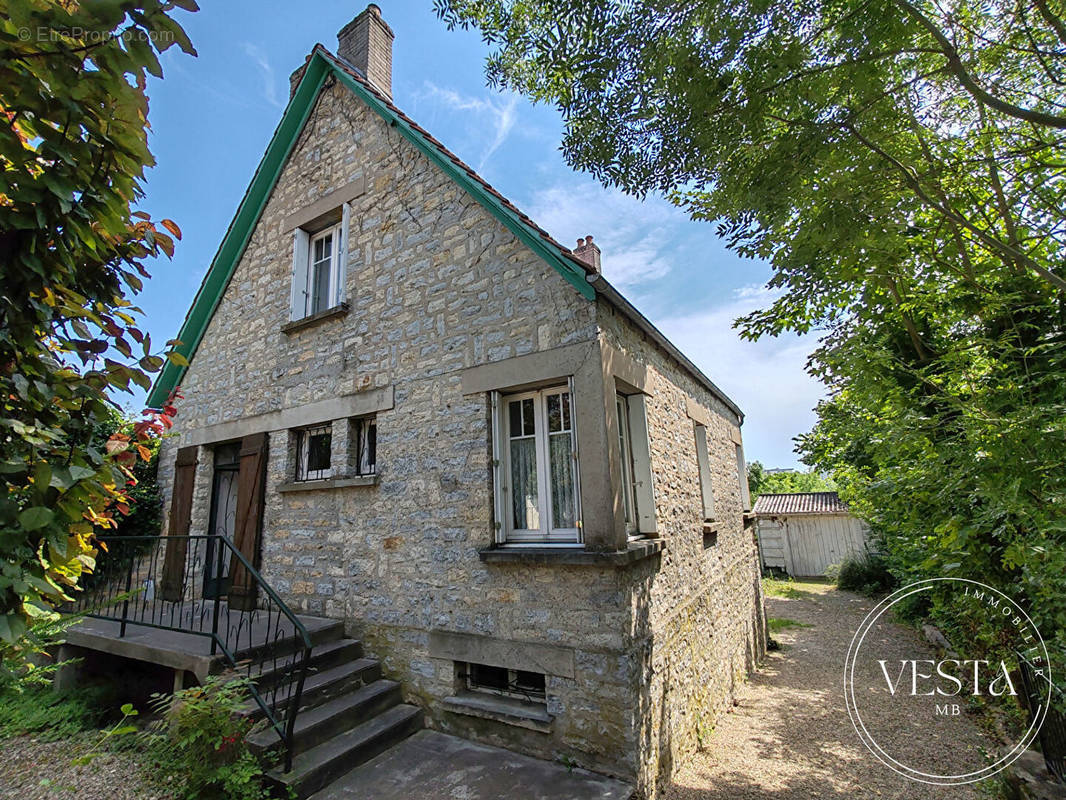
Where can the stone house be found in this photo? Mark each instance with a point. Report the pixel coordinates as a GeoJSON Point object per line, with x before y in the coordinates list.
{"type": "Point", "coordinates": [420, 414]}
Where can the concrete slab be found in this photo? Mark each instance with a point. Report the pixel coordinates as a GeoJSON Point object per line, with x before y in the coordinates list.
{"type": "Point", "coordinates": [187, 649]}
{"type": "Point", "coordinates": [436, 766]}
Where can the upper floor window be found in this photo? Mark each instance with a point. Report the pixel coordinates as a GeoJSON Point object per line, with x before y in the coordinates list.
{"type": "Point", "coordinates": [318, 268]}
{"type": "Point", "coordinates": [538, 498]}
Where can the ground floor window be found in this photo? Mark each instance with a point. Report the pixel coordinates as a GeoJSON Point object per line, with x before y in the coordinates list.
{"type": "Point", "coordinates": [517, 683]}
{"type": "Point", "coordinates": [538, 499]}
{"type": "Point", "coordinates": [313, 453]}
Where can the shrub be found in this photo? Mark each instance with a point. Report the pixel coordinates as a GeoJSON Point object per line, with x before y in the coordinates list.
{"type": "Point", "coordinates": [199, 742]}
{"type": "Point", "coordinates": [866, 574]}
{"type": "Point", "coordinates": [51, 716]}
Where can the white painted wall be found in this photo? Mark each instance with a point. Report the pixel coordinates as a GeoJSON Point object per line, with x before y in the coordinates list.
{"type": "Point", "coordinates": [804, 545]}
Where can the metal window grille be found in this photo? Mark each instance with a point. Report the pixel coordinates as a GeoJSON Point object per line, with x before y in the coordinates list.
{"type": "Point", "coordinates": [524, 685]}
{"type": "Point", "coordinates": [365, 441]}
{"type": "Point", "coordinates": [313, 448]}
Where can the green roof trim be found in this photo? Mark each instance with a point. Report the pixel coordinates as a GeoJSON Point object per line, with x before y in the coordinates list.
{"type": "Point", "coordinates": [318, 68]}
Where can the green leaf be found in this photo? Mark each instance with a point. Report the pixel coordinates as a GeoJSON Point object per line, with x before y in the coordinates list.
{"type": "Point", "coordinates": [35, 518]}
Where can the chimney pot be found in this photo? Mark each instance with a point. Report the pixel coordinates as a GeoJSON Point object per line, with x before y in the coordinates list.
{"type": "Point", "coordinates": [366, 44]}
{"type": "Point", "coordinates": [589, 252]}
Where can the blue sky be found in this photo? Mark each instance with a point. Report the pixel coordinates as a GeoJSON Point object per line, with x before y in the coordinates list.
{"type": "Point", "coordinates": [213, 115]}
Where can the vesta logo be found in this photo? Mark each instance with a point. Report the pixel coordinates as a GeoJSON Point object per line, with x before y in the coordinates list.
{"type": "Point", "coordinates": [906, 698]}
{"type": "Point", "coordinates": [950, 677]}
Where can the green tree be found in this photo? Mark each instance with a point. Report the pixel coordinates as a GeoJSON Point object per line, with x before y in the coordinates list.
{"type": "Point", "coordinates": [899, 164]}
{"type": "Point", "coordinates": [761, 481]}
{"type": "Point", "coordinates": [73, 149]}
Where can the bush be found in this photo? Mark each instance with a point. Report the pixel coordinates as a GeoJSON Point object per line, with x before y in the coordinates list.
{"type": "Point", "coordinates": [866, 574]}
{"type": "Point", "coordinates": [51, 716]}
{"type": "Point", "coordinates": [199, 742]}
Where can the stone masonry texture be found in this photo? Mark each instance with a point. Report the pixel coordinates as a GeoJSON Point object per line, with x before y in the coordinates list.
{"type": "Point", "coordinates": [435, 285]}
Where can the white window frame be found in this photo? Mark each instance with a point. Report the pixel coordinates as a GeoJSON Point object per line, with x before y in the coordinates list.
{"type": "Point", "coordinates": [303, 249]}
{"type": "Point", "coordinates": [506, 534]}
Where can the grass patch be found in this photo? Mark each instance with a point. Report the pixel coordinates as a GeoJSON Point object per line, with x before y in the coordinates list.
{"type": "Point", "coordinates": [775, 587]}
{"type": "Point", "coordinates": [781, 623]}
{"type": "Point", "coordinates": [51, 716]}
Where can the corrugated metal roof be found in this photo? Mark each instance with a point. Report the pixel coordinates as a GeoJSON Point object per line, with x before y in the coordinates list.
{"type": "Point", "coordinates": [800, 503]}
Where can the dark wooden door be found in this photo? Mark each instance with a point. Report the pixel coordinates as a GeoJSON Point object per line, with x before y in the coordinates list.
{"type": "Point", "coordinates": [172, 585]}
{"type": "Point", "coordinates": [248, 524]}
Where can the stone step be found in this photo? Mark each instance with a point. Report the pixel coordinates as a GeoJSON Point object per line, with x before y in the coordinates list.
{"type": "Point", "coordinates": [269, 671]}
{"type": "Point", "coordinates": [315, 725]}
{"type": "Point", "coordinates": [322, 686]}
{"type": "Point", "coordinates": [319, 630]}
{"type": "Point", "coordinates": [317, 767]}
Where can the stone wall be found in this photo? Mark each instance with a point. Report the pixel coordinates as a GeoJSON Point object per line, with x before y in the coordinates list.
{"type": "Point", "coordinates": [435, 286]}
{"type": "Point", "coordinates": [697, 618]}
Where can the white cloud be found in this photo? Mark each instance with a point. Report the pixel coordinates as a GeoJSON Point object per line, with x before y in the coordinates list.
{"type": "Point", "coordinates": [766, 378]}
{"type": "Point", "coordinates": [259, 57]}
{"type": "Point", "coordinates": [632, 235]}
{"type": "Point", "coordinates": [501, 113]}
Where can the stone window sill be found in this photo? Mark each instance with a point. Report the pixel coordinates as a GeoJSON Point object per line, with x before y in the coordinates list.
{"type": "Point", "coordinates": [329, 483]}
{"type": "Point", "coordinates": [312, 320]}
{"type": "Point", "coordinates": [508, 710]}
{"type": "Point", "coordinates": [637, 550]}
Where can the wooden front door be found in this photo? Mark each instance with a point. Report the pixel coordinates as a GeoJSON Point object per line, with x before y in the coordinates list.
{"type": "Point", "coordinates": [248, 521]}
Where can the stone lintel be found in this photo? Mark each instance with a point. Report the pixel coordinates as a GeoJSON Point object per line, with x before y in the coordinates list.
{"type": "Point", "coordinates": [349, 405]}
{"type": "Point", "coordinates": [324, 207]}
{"type": "Point", "coordinates": [549, 659]}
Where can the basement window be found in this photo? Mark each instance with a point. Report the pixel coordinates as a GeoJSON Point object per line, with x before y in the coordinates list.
{"type": "Point", "coordinates": [516, 683]}
{"type": "Point", "coordinates": [313, 452]}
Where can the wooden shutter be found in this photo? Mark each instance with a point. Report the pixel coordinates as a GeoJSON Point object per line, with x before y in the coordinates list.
{"type": "Point", "coordinates": [704, 464]}
{"type": "Point", "coordinates": [301, 252]}
{"type": "Point", "coordinates": [172, 585]}
{"type": "Point", "coordinates": [251, 497]}
{"type": "Point", "coordinates": [342, 256]}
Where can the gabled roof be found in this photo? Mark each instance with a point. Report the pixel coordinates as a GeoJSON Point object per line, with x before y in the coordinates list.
{"type": "Point", "coordinates": [799, 503]}
{"type": "Point", "coordinates": [320, 65]}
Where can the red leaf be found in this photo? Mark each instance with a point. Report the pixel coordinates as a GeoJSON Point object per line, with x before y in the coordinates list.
{"type": "Point", "coordinates": [172, 226]}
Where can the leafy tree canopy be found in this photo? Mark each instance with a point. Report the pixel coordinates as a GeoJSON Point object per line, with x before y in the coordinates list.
{"type": "Point", "coordinates": [73, 149]}
{"type": "Point", "coordinates": [763, 481]}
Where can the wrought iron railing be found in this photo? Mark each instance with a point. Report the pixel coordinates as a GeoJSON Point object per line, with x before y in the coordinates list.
{"type": "Point", "coordinates": [1039, 691]}
{"type": "Point", "coordinates": [241, 619]}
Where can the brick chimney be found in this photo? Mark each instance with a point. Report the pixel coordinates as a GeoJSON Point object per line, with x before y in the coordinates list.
{"type": "Point", "coordinates": [588, 252]}
{"type": "Point", "coordinates": [366, 44]}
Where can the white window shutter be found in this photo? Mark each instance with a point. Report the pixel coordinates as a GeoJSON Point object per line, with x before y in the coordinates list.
{"type": "Point", "coordinates": [640, 446]}
{"type": "Point", "coordinates": [342, 255]}
{"type": "Point", "coordinates": [301, 253]}
{"type": "Point", "coordinates": [500, 491]}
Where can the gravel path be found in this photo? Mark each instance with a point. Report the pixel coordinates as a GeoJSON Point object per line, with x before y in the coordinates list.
{"type": "Point", "coordinates": [790, 737]}
{"type": "Point", "coordinates": [25, 762]}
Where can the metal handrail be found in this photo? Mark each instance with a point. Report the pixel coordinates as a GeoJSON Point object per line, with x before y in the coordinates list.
{"type": "Point", "coordinates": [182, 615]}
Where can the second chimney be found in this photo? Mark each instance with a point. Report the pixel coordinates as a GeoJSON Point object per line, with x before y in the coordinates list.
{"type": "Point", "coordinates": [589, 252]}
{"type": "Point", "coordinates": [366, 44]}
